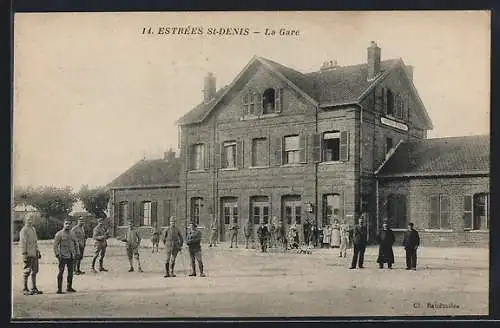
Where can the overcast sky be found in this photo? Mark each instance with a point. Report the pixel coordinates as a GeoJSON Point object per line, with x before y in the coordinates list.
{"type": "Point", "coordinates": [93, 94]}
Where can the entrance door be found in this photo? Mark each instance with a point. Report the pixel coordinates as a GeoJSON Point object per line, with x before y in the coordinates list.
{"type": "Point", "coordinates": [260, 213]}
{"type": "Point", "coordinates": [229, 214]}
{"type": "Point", "coordinates": [292, 213]}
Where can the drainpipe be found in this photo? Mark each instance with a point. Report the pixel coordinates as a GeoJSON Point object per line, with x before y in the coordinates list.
{"type": "Point", "coordinates": [316, 202]}
{"type": "Point", "coordinates": [186, 166]}
{"type": "Point", "coordinates": [360, 179]}
{"type": "Point", "coordinates": [215, 182]}
{"type": "Point", "coordinates": [377, 201]}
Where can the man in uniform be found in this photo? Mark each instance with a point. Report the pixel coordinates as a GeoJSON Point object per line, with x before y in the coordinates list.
{"type": "Point", "coordinates": [133, 241]}
{"type": "Point", "coordinates": [193, 240]}
{"type": "Point", "coordinates": [66, 251]}
{"type": "Point", "coordinates": [247, 232]}
{"type": "Point", "coordinates": [31, 255]}
{"type": "Point", "coordinates": [213, 232]}
{"type": "Point", "coordinates": [234, 233]}
{"type": "Point", "coordinates": [263, 234]}
{"type": "Point", "coordinates": [100, 236]}
{"type": "Point", "coordinates": [79, 234]}
{"type": "Point", "coordinates": [173, 243]}
{"type": "Point", "coordinates": [411, 242]}
{"type": "Point", "coordinates": [359, 239]}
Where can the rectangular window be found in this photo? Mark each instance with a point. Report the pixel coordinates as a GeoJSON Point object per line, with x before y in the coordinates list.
{"type": "Point", "coordinates": [265, 215]}
{"type": "Point", "coordinates": [331, 146]}
{"type": "Point", "coordinates": [227, 215]}
{"type": "Point", "coordinates": [196, 204]}
{"type": "Point", "coordinates": [256, 215]}
{"type": "Point", "coordinates": [390, 103]}
{"type": "Point", "coordinates": [399, 106]}
{"type": "Point", "coordinates": [122, 213]}
{"type": "Point", "coordinates": [146, 221]}
{"type": "Point", "coordinates": [292, 149]}
{"type": "Point", "coordinates": [229, 155]}
{"type": "Point", "coordinates": [298, 212]}
{"type": "Point", "coordinates": [197, 157]}
{"type": "Point", "coordinates": [288, 214]}
{"type": "Point", "coordinates": [259, 152]}
{"type": "Point", "coordinates": [440, 212]}
{"type": "Point", "coordinates": [468, 212]}
{"type": "Point", "coordinates": [331, 208]}
{"type": "Point", "coordinates": [388, 144]}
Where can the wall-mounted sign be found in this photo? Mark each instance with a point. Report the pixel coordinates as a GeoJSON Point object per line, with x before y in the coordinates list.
{"type": "Point", "coordinates": [394, 124]}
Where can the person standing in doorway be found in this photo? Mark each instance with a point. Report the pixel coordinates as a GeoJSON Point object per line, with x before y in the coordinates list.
{"type": "Point", "coordinates": [173, 244]}
{"type": "Point", "coordinates": [193, 240]}
{"type": "Point", "coordinates": [359, 239]}
{"type": "Point", "coordinates": [385, 240]}
{"type": "Point", "coordinates": [66, 251]}
{"type": "Point", "coordinates": [78, 232]}
{"type": "Point", "coordinates": [263, 235]}
{"type": "Point", "coordinates": [344, 239]}
{"type": "Point", "coordinates": [411, 242]}
{"type": "Point", "coordinates": [335, 234]}
{"type": "Point", "coordinates": [247, 231]}
{"type": "Point", "coordinates": [234, 233]}
{"type": "Point", "coordinates": [213, 232]}
{"type": "Point", "coordinates": [100, 236]}
{"type": "Point", "coordinates": [31, 255]}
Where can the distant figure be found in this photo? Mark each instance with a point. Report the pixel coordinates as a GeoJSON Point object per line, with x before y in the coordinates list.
{"type": "Point", "coordinates": [281, 236]}
{"type": "Point", "coordinates": [411, 242]}
{"type": "Point", "coordinates": [293, 237]}
{"type": "Point", "coordinates": [173, 244]}
{"type": "Point", "coordinates": [155, 240]}
{"type": "Point", "coordinates": [360, 236]}
{"type": "Point", "coordinates": [272, 235]}
{"type": "Point", "coordinates": [133, 241]}
{"type": "Point", "coordinates": [31, 255]}
{"type": "Point", "coordinates": [307, 231]}
{"type": "Point", "coordinates": [79, 234]}
{"type": "Point", "coordinates": [344, 239]}
{"type": "Point", "coordinates": [213, 232]}
{"type": "Point", "coordinates": [335, 234]}
{"type": "Point", "coordinates": [66, 251]}
{"type": "Point", "coordinates": [234, 233]}
{"type": "Point", "coordinates": [327, 234]}
{"type": "Point", "coordinates": [247, 232]}
{"type": "Point", "coordinates": [100, 235]}
{"type": "Point", "coordinates": [263, 235]}
{"type": "Point", "coordinates": [385, 240]}
{"type": "Point", "coordinates": [315, 235]}
{"type": "Point", "coordinates": [193, 240]}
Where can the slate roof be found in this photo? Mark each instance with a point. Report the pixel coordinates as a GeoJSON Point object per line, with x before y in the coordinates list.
{"type": "Point", "coordinates": [342, 85]}
{"type": "Point", "coordinates": [439, 156]}
{"type": "Point", "coordinates": [155, 172]}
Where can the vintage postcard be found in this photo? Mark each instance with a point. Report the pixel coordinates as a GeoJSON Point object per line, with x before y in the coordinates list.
{"type": "Point", "coordinates": [251, 164]}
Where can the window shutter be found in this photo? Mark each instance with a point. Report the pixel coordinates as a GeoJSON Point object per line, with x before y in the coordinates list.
{"type": "Point", "coordinates": [239, 153]}
{"type": "Point", "coordinates": [140, 215]}
{"type": "Point", "coordinates": [278, 145]}
{"type": "Point", "coordinates": [206, 156]}
{"type": "Point", "coordinates": [468, 212]}
{"type": "Point", "coordinates": [116, 214]}
{"type": "Point", "coordinates": [316, 147]}
{"type": "Point", "coordinates": [434, 219]}
{"type": "Point", "coordinates": [303, 148]}
{"type": "Point", "coordinates": [344, 146]}
{"type": "Point", "coordinates": [259, 103]}
{"type": "Point", "coordinates": [166, 212]}
{"type": "Point", "coordinates": [445, 212]}
{"type": "Point", "coordinates": [384, 100]}
{"type": "Point", "coordinates": [244, 103]}
{"type": "Point", "coordinates": [219, 156]}
{"type": "Point", "coordinates": [278, 100]}
{"type": "Point", "coordinates": [188, 160]}
{"type": "Point", "coordinates": [154, 213]}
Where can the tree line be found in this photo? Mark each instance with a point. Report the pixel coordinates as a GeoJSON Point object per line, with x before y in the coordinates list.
{"type": "Point", "coordinates": [56, 203]}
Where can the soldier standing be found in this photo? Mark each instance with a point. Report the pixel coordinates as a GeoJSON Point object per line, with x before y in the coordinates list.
{"type": "Point", "coordinates": [79, 234]}
{"type": "Point", "coordinates": [411, 242]}
{"type": "Point", "coordinates": [247, 231]}
{"type": "Point", "coordinates": [263, 233]}
{"type": "Point", "coordinates": [173, 244]}
{"type": "Point", "coordinates": [360, 236]}
{"type": "Point", "coordinates": [193, 240]}
{"type": "Point", "coordinates": [31, 255]}
{"type": "Point", "coordinates": [234, 233]}
{"type": "Point", "coordinates": [100, 236]}
{"type": "Point", "coordinates": [213, 232]}
{"type": "Point", "coordinates": [133, 241]}
{"type": "Point", "coordinates": [67, 251]}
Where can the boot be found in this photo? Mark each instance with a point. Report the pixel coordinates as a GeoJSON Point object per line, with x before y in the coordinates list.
{"type": "Point", "coordinates": [192, 274]}
{"type": "Point", "coordinates": [26, 291]}
{"type": "Point", "coordinates": [93, 265]}
{"type": "Point", "coordinates": [167, 274]}
{"type": "Point", "coordinates": [59, 286]}
{"type": "Point", "coordinates": [131, 266]}
{"type": "Point", "coordinates": [172, 274]}
{"type": "Point", "coordinates": [35, 289]}
{"type": "Point", "coordinates": [101, 268]}
{"type": "Point", "coordinates": [69, 288]}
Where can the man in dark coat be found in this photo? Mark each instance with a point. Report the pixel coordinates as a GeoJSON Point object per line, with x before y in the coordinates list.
{"type": "Point", "coordinates": [411, 242]}
{"type": "Point", "coordinates": [360, 236]}
{"type": "Point", "coordinates": [307, 231]}
{"type": "Point", "coordinates": [262, 234]}
{"type": "Point", "coordinates": [193, 240]}
{"type": "Point", "coordinates": [385, 240]}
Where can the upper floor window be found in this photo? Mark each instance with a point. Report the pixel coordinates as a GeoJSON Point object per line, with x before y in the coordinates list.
{"type": "Point", "coordinates": [292, 149]}
{"type": "Point", "coordinates": [388, 144]}
{"type": "Point", "coordinates": [440, 212]}
{"type": "Point", "coordinates": [229, 154]}
{"type": "Point", "coordinates": [259, 152]}
{"type": "Point", "coordinates": [390, 103]}
{"type": "Point", "coordinates": [268, 102]}
{"type": "Point", "coordinates": [198, 157]}
{"type": "Point", "coordinates": [331, 146]}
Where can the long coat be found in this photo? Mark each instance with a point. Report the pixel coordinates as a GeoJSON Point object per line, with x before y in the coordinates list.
{"type": "Point", "coordinates": [335, 235]}
{"type": "Point", "coordinates": [386, 240]}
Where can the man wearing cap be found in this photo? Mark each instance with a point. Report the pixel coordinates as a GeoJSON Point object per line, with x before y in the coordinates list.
{"type": "Point", "coordinates": [173, 244]}
{"type": "Point", "coordinates": [31, 255]}
{"type": "Point", "coordinates": [213, 232]}
{"type": "Point", "coordinates": [385, 240]}
{"type": "Point", "coordinates": [193, 240]}
{"type": "Point", "coordinates": [79, 234]}
{"type": "Point", "coordinates": [234, 233]}
{"type": "Point", "coordinates": [66, 251]}
{"type": "Point", "coordinates": [263, 235]}
{"type": "Point", "coordinates": [133, 241]}
{"type": "Point", "coordinates": [100, 236]}
{"type": "Point", "coordinates": [359, 239]}
{"type": "Point", "coordinates": [247, 232]}
{"type": "Point", "coordinates": [411, 241]}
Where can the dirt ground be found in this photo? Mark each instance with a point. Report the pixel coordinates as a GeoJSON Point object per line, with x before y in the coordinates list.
{"type": "Point", "coordinates": [246, 283]}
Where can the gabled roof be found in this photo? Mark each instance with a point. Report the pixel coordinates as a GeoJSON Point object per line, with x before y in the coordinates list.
{"type": "Point", "coordinates": [325, 88]}
{"type": "Point", "coordinates": [149, 173]}
{"type": "Point", "coordinates": [439, 156]}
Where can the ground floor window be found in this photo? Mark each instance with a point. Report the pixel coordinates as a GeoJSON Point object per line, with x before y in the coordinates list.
{"type": "Point", "coordinates": [196, 204]}
{"type": "Point", "coordinates": [476, 211]}
{"type": "Point", "coordinates": [331, 208]}
{"type": "Point", "coordinates": [229, 210]}
{"type": "Point", "coordinates": [122, 213]}
{"type": "Point", "coordinates": [146, 218]}
{"type": "Point", "coordinates": [396, 211]}
{"type": "Point", "coordinates": [292, 209]}
{"type": "Point", "coordinates": [259, 207]}
{"type": "Point", "coordinates": [440, 212]}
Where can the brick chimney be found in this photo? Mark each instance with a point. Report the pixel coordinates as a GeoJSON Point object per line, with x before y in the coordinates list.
{"type": "Point", "coordinates": [169, 155]}
{"type": "Point", "coordinates": [373, 60]}
{"type": "Point", "coordinates": [209, 87]}
{"type": "Point", "coordinates": [409, 71]}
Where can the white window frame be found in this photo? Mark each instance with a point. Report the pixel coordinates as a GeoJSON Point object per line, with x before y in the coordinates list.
{"type": "Point", "coordinates": [147, 213]}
